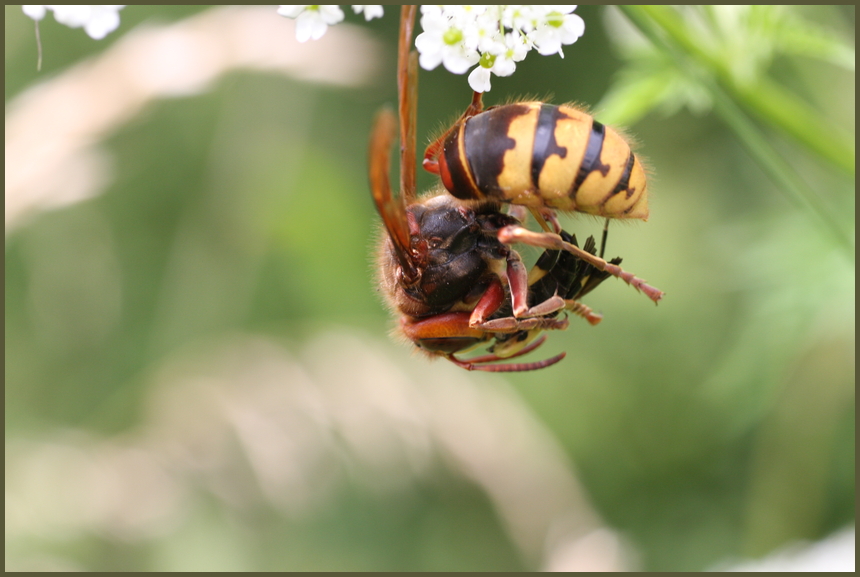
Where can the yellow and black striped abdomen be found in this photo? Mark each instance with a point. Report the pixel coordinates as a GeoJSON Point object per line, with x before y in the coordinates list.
{"type": "Point", "coordinates": [537, 154]}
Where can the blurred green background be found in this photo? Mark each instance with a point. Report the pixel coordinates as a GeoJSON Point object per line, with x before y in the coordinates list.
{"type": "Point", "coordinates": [198, 369]}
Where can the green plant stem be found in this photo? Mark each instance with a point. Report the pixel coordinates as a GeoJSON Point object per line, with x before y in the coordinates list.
{"type": "Point", "coordinates": [765, 99]}
{"type": "Point", "coordinates": [780, 171]}
{"type": "Point", "coordinates": [785, 111]}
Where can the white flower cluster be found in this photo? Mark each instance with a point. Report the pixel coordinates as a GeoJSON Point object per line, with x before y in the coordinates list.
{"type": "Point", "coordinates": [97, 20]}
{"type": "Point", "coordinates": [313, 20]}
{"type": "Point", "coordinates": [458, 37]}
{"type": "Point", "coordinates": [494, 37]}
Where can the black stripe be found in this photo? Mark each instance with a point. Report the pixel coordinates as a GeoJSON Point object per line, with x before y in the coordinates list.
{"type": "Point", "coordinates": [463, 188]}
{"type": "Point", "coordinates": [545, 144]}
{"type": "Point", "coordinates": [591, 160]}
{"type": "Point", "coordinates": [624, 181]}
{"type": "Point", "coordinates": [487, 139]}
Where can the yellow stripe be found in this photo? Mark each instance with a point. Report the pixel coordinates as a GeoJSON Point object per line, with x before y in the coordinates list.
{"type": "Point", "coordinates": [515, 179]}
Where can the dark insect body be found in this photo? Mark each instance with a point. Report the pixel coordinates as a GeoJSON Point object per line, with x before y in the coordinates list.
{"type": "Point", "coordinates": [446, 264]}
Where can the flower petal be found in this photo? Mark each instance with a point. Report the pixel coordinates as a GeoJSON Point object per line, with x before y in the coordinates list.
{"type": "Point", "coordinates": [479, 79]}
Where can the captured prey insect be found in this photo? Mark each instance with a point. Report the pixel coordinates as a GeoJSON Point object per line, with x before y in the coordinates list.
{"type": "Point", "coordinates": [445, 263]}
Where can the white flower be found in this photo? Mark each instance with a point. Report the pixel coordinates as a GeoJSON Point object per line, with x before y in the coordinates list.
{"type": "Point", "coordinates": [312, 20]}
{"type": "Point", "coordinates": [460, 36]}
{"type": "Point", "coordinates": [500, 59]}
{"type": "Point", "coordinates": [456, 36]}
{"type": "Point", "coordinates": [97, 20]}
{"type": "Point", "coordinates": [444, 42]}
{"type": "Point", "coordinates": [494, 37]}
{"type": "Point", "coordinates": [371, 11]}
{"type": "Point", "coordinates": [557, 29]}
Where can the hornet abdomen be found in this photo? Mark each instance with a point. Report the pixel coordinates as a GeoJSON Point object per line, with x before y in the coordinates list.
{"type": "Point", "coordinates": [541, 155]}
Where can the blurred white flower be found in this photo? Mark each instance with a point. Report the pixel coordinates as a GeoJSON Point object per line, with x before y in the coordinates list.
{"type": "Point", "coordinates": [371, 11]}
{"type": "Point", "coordinates": [312, 20]}
{"type": "Point", "coordinates": [97, 20]}
{"type": "Point", "coordinates": [35, 11]}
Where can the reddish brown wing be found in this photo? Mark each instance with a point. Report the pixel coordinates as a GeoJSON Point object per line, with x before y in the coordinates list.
{"type": "Point", "coordinates": [391, 209]}
{"type": "Point", "coordinates": [407, 96]}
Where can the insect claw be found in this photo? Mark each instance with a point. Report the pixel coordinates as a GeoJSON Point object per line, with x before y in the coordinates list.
{"type": "Point", "coordinates": [583, 311]}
